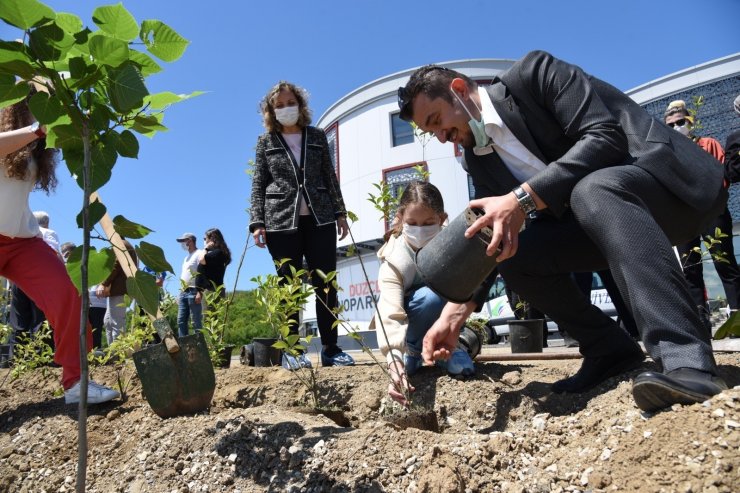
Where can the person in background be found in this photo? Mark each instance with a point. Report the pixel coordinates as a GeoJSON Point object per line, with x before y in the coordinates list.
{"type": "Point", "coordinates": [189, 299]}
{"type": "Point", "coordinates": [114, 289]}
{"type": "Point", "coordinates": [677, 116]}
{"type": "Point", "coordinates": [297, 207]}
{"type": "Point", "coordinates": [212, 265]}
{"type": "Point", "coordinates": [407, 307]}
{"type": "Point", "coordinates": [49, 235]}
{"type": "Point", "coordinates": [732, 150]}
{"type": "Point", "coordinates": [25, 259]}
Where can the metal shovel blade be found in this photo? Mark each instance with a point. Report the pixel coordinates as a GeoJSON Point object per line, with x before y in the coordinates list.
{"type": "Point", "coordinates": [177, 383]}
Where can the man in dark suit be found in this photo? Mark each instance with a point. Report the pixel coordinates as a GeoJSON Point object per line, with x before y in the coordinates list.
{"type": "Point", "coordinates": [613, 188]}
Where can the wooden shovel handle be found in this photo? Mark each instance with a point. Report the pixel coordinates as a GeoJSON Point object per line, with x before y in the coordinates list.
{"type": "Point", "coordinates": [129, 268]}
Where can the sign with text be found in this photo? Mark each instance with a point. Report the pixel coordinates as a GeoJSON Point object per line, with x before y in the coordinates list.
{"type": "Point", "coordinates": [356, 296]}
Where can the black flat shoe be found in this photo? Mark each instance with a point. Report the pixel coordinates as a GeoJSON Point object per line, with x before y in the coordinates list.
{"type": "Point", "coordinates": [595, 370]}
{"type": "Point", "coordinates": [653, 391]}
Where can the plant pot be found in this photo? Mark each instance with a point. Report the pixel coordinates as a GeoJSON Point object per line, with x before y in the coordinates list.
{"type": "Point", "coordinates": [454, 266]}
{"type": "Point", "coordinates": [471, 341]}
{"type": "Point", "coordinates": [264, 353]}
{"type": "Point", "coordinates": [526, 335]}
{"type": "Point", "coordinates": [6, 355]}
{"type": "Point", "coordinates": [246, 356]}
{"type": "Point", "coordinates": [225, 357]}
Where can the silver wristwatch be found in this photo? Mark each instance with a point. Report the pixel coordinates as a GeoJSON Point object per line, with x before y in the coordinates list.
{"type": "Point", "coordinates": [526, 202]}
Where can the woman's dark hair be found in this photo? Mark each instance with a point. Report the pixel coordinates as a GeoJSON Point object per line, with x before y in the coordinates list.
{"type": "Point", "coordinates": [267, 106]}
{"type": "Point", "coordinates": [217, 238]}
{"type": "Point", "coordinates": [16, 163]}
{"type": "Point", "coordinates": [417, 192]}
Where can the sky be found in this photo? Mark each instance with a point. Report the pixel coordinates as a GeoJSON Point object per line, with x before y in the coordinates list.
{"type": "Point", "coordinates": [193, 177]}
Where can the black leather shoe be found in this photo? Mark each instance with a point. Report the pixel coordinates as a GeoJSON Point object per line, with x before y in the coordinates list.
{"type": "Point", "coordinates": [595, 370]}
{"type": "Point", "coordinates": [653, 391]}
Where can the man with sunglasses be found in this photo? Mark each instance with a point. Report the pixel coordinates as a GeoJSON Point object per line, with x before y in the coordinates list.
{"type": "Point", "coordinates": [612, 188]}
{"type": "Point", "coordinates": [678, 117]}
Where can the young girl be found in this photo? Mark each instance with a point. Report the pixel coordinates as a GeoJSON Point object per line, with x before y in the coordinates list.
{"type": "Point", "coordinates": [407, 307]}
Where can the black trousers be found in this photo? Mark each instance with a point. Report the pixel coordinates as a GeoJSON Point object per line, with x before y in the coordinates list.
{"type": "Point", "coordinates": [728, 272]}
{"type": "Point", "coordinates": [96, 315]}
{"type": "Point", "coordinates": [318, 244]}
{"type": "Point", "coordinates": [623, 219]}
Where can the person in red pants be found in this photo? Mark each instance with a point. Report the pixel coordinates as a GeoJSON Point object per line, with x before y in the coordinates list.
{"type": "Point", "coordinates": [25, 259]}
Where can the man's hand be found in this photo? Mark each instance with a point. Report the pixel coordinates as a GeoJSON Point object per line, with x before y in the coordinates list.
{"type": "Point", "coordinates": [441, 339]}
{"type": "Point", "coordinates": [342, 227]}
{"type": "Point", "coordinates": [198, 297]}
{"type": "Point", "coordinates": [400, 387]}
{"type": "Point", "coordinates": [505, 218]}
{"type": "Point", "coordinates": [259, 237]}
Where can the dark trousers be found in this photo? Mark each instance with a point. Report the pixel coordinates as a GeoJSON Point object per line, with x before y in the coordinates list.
{"type": "Point", "coordinates": [25, 316]}
{"type": "Point", "coordinates": [623, 219]}
{"type": "Point", "coordinates": [96, 315]}
{"type": "Point", "coordinates": [318, 244]}
{"type": "Point", "coordinates": [728, 272]}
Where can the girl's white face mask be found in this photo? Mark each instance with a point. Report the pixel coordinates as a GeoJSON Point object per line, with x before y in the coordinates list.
{"type": "Point", "coordinates": [418, 236]}
{"type": "Point", "coordinates": [287, 116]}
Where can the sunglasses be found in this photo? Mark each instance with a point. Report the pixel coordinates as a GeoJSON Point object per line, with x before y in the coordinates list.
{"type": "Point", "coordinates": [680, 123]}
{"type": "Point", "coordinates": [404, 103]}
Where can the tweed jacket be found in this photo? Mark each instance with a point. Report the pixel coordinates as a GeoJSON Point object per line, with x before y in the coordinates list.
{"type": "Point", "coordinates": [278, 179]}
{"type": "Point", "coordinates": [577, 124]}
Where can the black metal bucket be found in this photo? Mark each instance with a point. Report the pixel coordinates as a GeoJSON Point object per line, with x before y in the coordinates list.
{"type": "Point", "coordinates": [454, 266]}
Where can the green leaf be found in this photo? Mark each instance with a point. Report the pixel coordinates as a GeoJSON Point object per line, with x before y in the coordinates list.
{"type": "Point", "coordinates": [10, 92]}
{"type": "Point", "coordinates": [107, 50]}
{"type": "Point", "coordinates": [116, 21]}
{"type": "Point", "coordinates": [64, 137]}
{"type": "Point", "coordinates": [143, 288]}
{"type": "Point", "coordinates": [162, 100]}
{"type": "Point", "coordinates": [126, 88]}
{"type": "Point", "coordinates": [97, 211]}
{"type": "Point", "coordinates": [129, 229]}
{"type": "Point", "coordinates": [153, 257]}
{"type": "Point", "coordinates": [730, 327]}
{"type": "Point", "coordinates": [148, 124]}
{"type": "Point", "coordinates": [14, 61]}
{"type": "Point", "coordinates": [100, 117]}
{"type": "Point", "coordinates": [99, 266]}
{"type": "Point", "coordinates": [162, 41]}
{"type": "Point", "coordinates": [126, 144]}
{"type": "Point", "coordinates": [25, 14]}
{"type": "Point", "coordinates": [147, 66]}
{"type": "Point", "coordinates": [50, 42]}
{"type": "Point", "coordinates": [45, 108]}
{"type": "Point", "coordinates": [69, 22]}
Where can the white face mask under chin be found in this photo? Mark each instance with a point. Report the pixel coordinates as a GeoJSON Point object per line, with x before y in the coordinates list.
{"type": "Point", "coordinates": [684, 129]}
{"type": "Point", "coordinates": [418, 236]}
{"type": "Point", "coordinates": [184, 246]}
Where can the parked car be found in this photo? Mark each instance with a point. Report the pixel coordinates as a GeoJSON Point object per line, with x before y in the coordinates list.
{"type": "Point", "coordinates": [497, 309]}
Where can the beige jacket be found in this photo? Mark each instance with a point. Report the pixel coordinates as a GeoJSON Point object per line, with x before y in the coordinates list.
{"type": "Point", "coordinates": [395, 277]}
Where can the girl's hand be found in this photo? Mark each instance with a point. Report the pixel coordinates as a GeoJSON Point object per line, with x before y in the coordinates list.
{"type": "Point", "coordinates": [400, 387]}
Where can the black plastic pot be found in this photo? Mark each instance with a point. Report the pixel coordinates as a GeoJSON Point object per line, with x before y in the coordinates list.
{"type": "Point", "coordinates": [264, 353]}
{"type": "Point", "coordinates": [225, 355]}
{"type": "Point", "coordinates": [526, 335]}
{"type": "Point", "coordinates": [471, 341]}
{"type": "Point", "coordinates": [454, 266]}
{"type": "Point", "coordinates": [246, 357]}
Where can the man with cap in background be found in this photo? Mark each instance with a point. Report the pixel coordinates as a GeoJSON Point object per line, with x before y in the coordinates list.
{"type": "Point", "coordinates": [732, 151]}
{"type": "Point", "coordinates": [189, 300]}
{"type": "Point", "coordinates": [678, 117]}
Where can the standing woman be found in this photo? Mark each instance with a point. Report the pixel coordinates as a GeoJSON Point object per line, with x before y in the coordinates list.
{"type": "Point", "coordinates": [212, 265]}
{"type": "Point", "coordinates": [26, 164]}
{"type": "Point", "coordinates": [297, 206]}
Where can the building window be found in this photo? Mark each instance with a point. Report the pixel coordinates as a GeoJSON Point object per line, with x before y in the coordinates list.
{"type": "Point", "coordinates": [397, 178]}
{"type": "Point", "coordinates": [401, 131]}
{"type": "Point", "coordinates": [332, 136]}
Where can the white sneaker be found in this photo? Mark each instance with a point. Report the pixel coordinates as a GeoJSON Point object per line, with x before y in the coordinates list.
{"type": "Point", "coordinates": [96, 393]}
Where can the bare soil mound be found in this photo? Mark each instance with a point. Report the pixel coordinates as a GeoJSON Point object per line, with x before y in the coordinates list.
{"type": "Point", "coordinates": [501, 431]}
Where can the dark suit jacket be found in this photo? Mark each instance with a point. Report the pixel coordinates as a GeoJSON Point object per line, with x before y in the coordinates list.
{"type": "Point", "coordinates": [732, 157]}
{"type": "Point", "coordinates": [577, 124]}
{"type": "Point", "coordinates": [278, 179]}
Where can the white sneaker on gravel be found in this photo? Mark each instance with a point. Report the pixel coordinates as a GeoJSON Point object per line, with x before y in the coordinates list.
{"type": "Point", "coordinates": [96, 393]}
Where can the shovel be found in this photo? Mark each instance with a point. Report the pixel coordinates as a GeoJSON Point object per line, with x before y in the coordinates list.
{"type": "Point", "coordinates": [176, 375]}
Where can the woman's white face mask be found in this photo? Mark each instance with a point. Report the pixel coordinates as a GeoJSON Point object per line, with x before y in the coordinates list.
{"type": "Point", "coordinates": [287, 116]}
{"type": "Point", "coordinates": [418, 236]}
